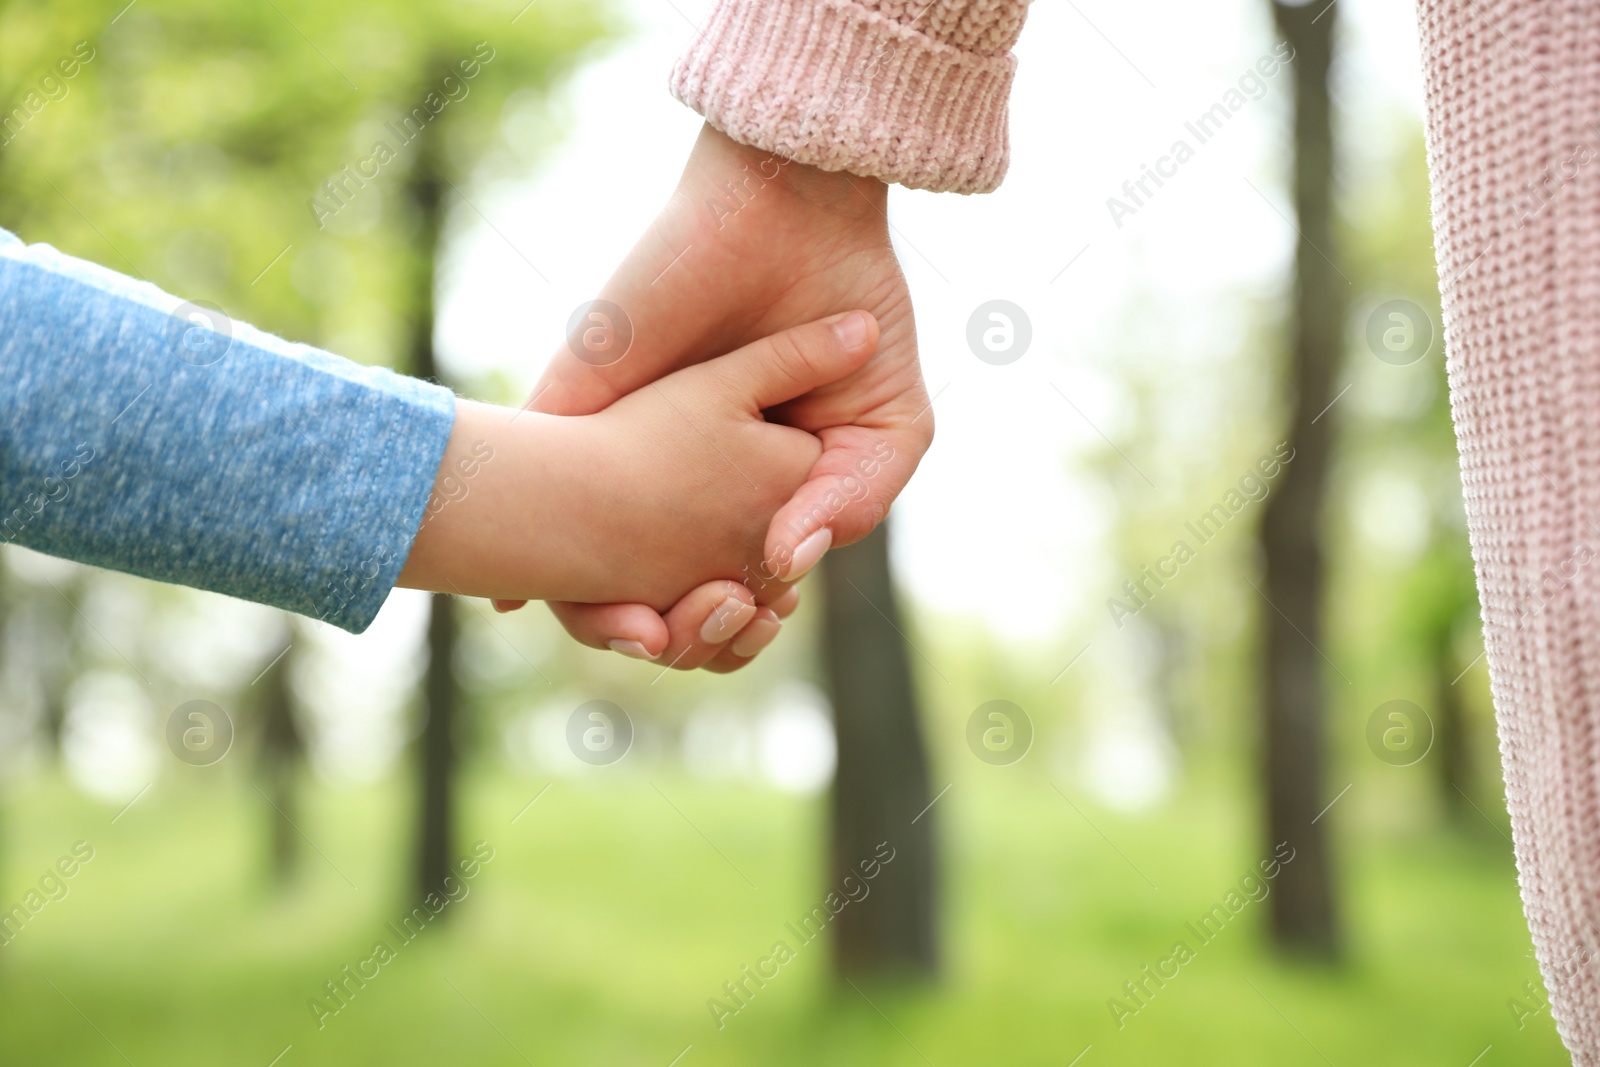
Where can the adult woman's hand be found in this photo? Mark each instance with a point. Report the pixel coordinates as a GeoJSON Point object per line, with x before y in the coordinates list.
{"type": "Point", "coordinates": [750, 244]}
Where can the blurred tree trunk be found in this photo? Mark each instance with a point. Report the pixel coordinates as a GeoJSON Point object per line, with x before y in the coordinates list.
{"type": "Point", "coordinates": [1450, 735]}
{"type": "Point", "coordinates": [1303, 911]}
{"type": "Point", "coordinates": [280, 760]}
{"type": "Point", "coordinates": [882, 779]}
{"type": "Point", "coordinates": [58, 660]}
{"type": "Point", "coordinates": [1440, 605]}
{"type": "Point", "coordinates": [436, 819]}
{"type": "Point", "coordinates": [1452, 754]}
{"type": "Point", "coordinates": [436, 840]}
{"type": "Point", "coordinates": [1170, 642]}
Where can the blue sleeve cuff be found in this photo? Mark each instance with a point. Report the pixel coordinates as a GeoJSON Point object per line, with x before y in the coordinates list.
{"type": "Point", "coordinates": [161, 439]}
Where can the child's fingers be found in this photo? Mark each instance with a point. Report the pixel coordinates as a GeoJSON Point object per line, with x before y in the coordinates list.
{"type": "Point", "coordinates": [504, 606]}
{"type": "Point", "coordinates": [635, 630]}
{"type": "Point", "coordinates": [757, 634]}
{"type": "Point", "coordinates": [794, 362]}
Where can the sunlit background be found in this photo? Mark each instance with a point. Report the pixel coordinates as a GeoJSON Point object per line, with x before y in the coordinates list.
{"type": "Point", "coordinates": [621, 897]}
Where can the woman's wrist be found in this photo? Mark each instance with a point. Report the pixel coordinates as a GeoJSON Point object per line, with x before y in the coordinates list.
{"type": "Point", "coordinates": [718, 158]}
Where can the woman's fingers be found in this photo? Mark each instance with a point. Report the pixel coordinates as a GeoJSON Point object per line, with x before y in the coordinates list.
{"type": "Point", "coordinates": [784, 605]}
{"type": "Point", "coordinates": [703, 622]}
{"type": "Point", "coordinates": [762, 629]}
{"type": "Point", "coordinates": [846, 496]}
{"type": "Point", "coordinates": [718, 622]}
{"type": "Point", "coordinates": [634, 630]}
{"type": "Point", "coordinates": [758, 633]}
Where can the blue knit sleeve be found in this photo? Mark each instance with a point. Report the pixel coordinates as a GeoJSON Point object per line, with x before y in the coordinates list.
{"type": "Point", "coordinates": [151, 436]}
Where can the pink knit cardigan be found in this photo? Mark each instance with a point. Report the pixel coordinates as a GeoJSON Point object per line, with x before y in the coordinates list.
{"type": "Point", "coordinates": [908, 91]}
{"type": "Point", "coordinates": [915, 92]}
{"type": "Point", "coordinates": [1513, 96]}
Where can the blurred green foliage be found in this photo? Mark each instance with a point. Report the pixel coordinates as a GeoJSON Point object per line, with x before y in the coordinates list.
{"type": "Point", "coordinates": [189, 149]}
{"type": "Point", "coordinates": [606, 921]}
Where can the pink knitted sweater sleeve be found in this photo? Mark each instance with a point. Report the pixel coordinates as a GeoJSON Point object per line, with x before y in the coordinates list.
{"type": "Point", "coordinates": [907, 91]}
{"type": "Point", "coordinates": [1513, 91]}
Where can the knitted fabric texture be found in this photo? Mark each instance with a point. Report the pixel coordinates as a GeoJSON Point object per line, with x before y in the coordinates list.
{"type": "Point", "coordinates": [1513, 90]}
{"type": "Point", "coordinates": [904, 91]}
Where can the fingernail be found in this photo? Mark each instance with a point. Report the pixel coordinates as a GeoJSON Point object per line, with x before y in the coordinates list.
{"type": "Point", "coordinates": [630, 648]}
{"type": "Point", "coordinates": [807, 553]}
{"type": "Point", "coordinates": [727, 619]}
{"type": "Point", "coordinates": [851, 330]}
{"type": "Point", "coordinates": [755, 637]}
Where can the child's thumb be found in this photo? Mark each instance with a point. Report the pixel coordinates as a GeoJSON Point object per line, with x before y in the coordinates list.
{"type": "Point", "coordinates": [792, 363]}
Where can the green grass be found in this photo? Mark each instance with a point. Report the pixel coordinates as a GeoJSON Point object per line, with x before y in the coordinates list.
{"type": "Point", "coordinates": [605, 922]}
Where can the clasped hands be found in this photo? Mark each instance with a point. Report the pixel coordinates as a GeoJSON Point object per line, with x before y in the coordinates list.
{"type": "Point", "coordinates": [770, 407]}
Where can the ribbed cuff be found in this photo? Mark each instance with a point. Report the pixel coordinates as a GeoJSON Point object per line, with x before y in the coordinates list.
{"type": "Point", "coordinates": [834, 85]}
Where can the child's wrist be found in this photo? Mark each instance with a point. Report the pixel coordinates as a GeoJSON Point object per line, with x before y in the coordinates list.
{"type": "Point", "coordinates": [482, 532]}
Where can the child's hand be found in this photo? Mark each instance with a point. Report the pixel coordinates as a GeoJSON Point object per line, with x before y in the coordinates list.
{"type": "Point", "coordinates": [675, 483]}
{"type": "Point", "coordinates": [670, 487]}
